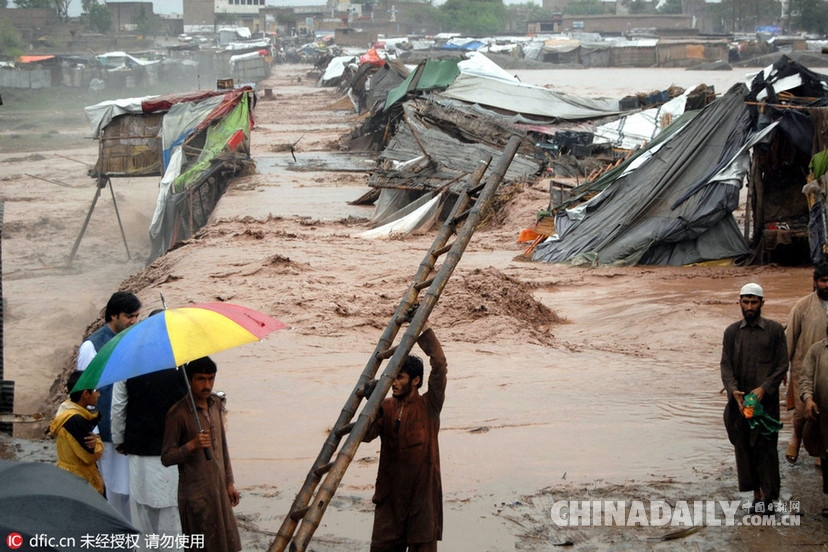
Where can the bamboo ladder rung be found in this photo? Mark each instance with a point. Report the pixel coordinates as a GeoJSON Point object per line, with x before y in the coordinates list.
{"type": "Point", "coordinates": [322, 470]}
{"type": "Point", "coordinates": [424, 284]}
{"type": "Point", "coordinates": [296, 515]}
{"type": "Point", "coordinates": [443, 250]}
{"type": "Point", "coordinates": [365, 392]}
{"type": "Point", "coordinates": [460, 217]}
{"type": "Point", "coordinates": [475, 190]}
{"type": "Point", "coordinates": [345, 430]}
{"type": "Point", "coordinates": [388, 353]}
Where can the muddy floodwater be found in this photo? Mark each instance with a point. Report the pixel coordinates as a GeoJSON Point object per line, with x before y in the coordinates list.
{"type": "Point", "coordinates": [564, 383]}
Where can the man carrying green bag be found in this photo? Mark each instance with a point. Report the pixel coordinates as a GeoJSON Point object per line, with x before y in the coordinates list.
{"type": "Point", "coordinates": [754, 360]}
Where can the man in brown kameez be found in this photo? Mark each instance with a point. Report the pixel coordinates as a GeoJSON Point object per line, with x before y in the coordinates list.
{"type": "Point", "coordinates": [206, 493]}
{"type": "Point", "coordinates": [813, 386]}
{"type": "Point", "coordinates": [754, 360]}
{"type": "Point", "coordinates": [806, 326]}
{"type": "Point", "coordinates": [409, 494]}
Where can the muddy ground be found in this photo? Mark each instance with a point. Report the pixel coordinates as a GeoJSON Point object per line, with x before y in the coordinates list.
{"type": "Point", "coordinates": [564, 383]}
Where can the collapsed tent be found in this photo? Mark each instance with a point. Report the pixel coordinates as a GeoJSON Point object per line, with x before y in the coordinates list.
{"type": "Point", "coordinates": [425, 164]}
{"type": "Point", "coordinates": [673, 206]}
{"type": "Point", "coordinates": [528, 99]}
{"type": "Point", "coordinates": [196, 141]}
{"type": "Point", "coordinates": [636, 129]}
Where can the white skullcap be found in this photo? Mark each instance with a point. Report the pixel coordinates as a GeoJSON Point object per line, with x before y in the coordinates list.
{"type": "Point", "coordinates": [752, 289]}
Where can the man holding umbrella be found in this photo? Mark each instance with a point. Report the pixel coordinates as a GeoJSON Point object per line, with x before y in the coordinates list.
{"type": "Point", "coordinates": [121, 313]}
{"type": "Point", "coordinates": [206, 490]}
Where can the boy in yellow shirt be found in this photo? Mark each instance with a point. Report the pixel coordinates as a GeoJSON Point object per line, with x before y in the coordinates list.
{"type": "Point", "coordinates": [77, 447]}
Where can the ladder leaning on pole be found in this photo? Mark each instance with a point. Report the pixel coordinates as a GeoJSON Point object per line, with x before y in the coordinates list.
{"type": "Point", "coordinates": [310, 504]}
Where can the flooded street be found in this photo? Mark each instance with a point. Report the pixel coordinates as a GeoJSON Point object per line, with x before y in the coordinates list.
{"type": "Point", "coordinates": [564, 383]}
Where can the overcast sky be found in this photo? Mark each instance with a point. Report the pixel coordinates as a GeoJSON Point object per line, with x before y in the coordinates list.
{"type": "Point", "coordinates": [174, 6]}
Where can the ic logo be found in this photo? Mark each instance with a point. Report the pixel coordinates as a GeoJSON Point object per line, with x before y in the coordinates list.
{"type": "Point", "coordinates": [14, 540]}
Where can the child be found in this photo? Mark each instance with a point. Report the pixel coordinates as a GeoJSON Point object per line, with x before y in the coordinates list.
{"type": "Point", "coordinates": [77, 447]}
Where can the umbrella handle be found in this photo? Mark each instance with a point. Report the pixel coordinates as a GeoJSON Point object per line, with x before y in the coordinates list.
{"type": "Point", "coordinates": [207, 454]}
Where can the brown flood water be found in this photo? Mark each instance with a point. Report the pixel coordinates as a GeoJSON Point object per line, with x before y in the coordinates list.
{"type": "Point", "coordinates": [618, 399]}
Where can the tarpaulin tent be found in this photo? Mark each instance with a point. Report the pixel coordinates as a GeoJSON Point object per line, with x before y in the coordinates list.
{"type": "Point", "coordinates": [430, 74]}
{"type": "Point", "coordinates": [783, 226]}
{"type": "Point", "coordinates": [674, 206]}
{"type": "Point", "coordinates": [196, 141]}
{"type": "Point", "coordinates": [191, 188]}
{"type": "Point", "coordinates": [527, 99]}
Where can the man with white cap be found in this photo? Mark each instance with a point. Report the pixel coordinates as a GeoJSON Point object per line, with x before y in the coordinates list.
{"type": "Point", "coordinates": [754, 361]}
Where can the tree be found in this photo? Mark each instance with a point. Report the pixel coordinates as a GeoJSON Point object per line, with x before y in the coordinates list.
{"type": "Point", "coordinates": [670, 7]}
{"type": "Point", "coordinates": [638, 6]}
{"type": "Point", "coordinates": [11, 44]}
{"type": "Point", "coordinates": [813, 15]}
{"type": "Point", "coordinates": [473, 17]}
{"type": "Point", "coordinates": [585, 7]}
{"type": "Point", "coordinates": [28, 4]}
{"type": "Point", "coordinates": [522, 14]}
{"type": "Point", "coordinates": [423, 16]}
{"type": "Point", "coordinates": [100, 18]}
{"type": "Point", "coordinates": [147, 23]}
{"type": "Point", "coordinates": [60, 7]}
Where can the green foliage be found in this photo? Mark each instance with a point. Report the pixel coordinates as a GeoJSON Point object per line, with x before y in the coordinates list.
{"type": "Point", "coordinates": [41, 4]}
{"type": "Point", "coordinates": [86, 5]}
{"type": "Point", "coordinates": [521, 14]}
{"type": "Point", "coordinates": [813, 15]}
{"type": "Point", "coordinates": [585, 7]}
{"type": "Point", "coordinates": [100, 18]}
{"type": "Point", "coordinates": [638, 6]}
{"type": "Point", "coordinates": [670, 7]}
{"type": "Point", "coordinates": [60, 7]}
{"type": "Point", "coordinates": [473, 17]}
{"type": "Point", "coordinates": [11, 44]}
{"type": "Point", "coordinates": [147, 23]}
{"type": "Point", "coordinates": [422, 16]}
{"type": "Point", "coordinates": [745, 15]}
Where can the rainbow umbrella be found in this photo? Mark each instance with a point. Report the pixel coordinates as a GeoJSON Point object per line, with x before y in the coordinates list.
{"type": "Point", "coordinates": [174, 337]}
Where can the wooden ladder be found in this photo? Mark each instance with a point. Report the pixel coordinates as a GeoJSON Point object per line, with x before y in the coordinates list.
{"type": "Point", "coordinates": [310, 503]}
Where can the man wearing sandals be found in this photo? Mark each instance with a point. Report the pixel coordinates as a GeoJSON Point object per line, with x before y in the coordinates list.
{"type": "Point", "coordinates": [754, 361]}
{"type": "Point", "coordinates": [806, 326]}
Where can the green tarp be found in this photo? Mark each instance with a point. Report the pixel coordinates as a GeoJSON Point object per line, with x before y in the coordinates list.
{"type": "Point", "coordinates": [217, 137]}
{"type": "Point", "coordinates": [431, 74]}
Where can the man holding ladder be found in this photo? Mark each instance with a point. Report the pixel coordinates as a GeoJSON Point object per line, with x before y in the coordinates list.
{"type": "Point", "coordinates": [409, 493]}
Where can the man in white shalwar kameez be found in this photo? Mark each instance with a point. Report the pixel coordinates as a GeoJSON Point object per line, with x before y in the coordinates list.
{"type": "Point", "coordinates": [139, 409]}
{"type": "Point", "coordinates": [121, 312]}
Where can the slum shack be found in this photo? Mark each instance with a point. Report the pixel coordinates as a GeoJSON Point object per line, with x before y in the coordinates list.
{"type": "Point", "coordinates": [196, 142]}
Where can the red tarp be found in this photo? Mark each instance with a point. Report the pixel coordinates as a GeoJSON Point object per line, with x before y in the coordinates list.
{"type": "Point", "coordinates": [231, 98]}
{"type": "Point", "coordinates": [165, 101]}
{"type": "Point", "coordinates": [32, 59]}
{"type": "Point", "coordinates": [372, 57]}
